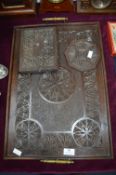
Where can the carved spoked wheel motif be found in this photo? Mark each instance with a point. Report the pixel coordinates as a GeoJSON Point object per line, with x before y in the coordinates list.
{"type": "Point", "coordinates": [28, 132]}
{"type": "Point", "coordinates": [86, 132]}
{"type": "Point", "coordinates": [77, 54]}
{"type": "Point", "coordinates": [56, 86]}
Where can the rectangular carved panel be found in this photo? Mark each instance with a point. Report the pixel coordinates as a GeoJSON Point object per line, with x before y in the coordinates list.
{"type": "Point", "coordinates": [63, 107]}
{"type": "Point", "coordinates": [37, 49]}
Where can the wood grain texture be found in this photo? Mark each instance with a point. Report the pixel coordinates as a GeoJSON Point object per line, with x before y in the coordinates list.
{"type": "Point", "coordinates": [63, 108]}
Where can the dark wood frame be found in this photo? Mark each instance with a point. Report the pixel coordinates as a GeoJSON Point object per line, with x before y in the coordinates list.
{"type": "Point", "coordinates": [27, 8]}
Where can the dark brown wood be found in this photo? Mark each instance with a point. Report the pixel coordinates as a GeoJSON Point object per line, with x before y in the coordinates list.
{"type": "Point", "coordinates": [14, 8]}
{"type": "Point", "coordinates": [65, 6]}
{"type": "Point", "coordinates": [60, 107]}
{"type": "Point", "coordinates": [85, 6]}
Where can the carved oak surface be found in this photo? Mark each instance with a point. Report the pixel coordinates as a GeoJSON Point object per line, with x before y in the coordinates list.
{"type": "Point", "coordinates": [56, 86]}
{"type": "Point", "coordinates": [37, 49]}
{"type": "Point", "coordinates": [52, 108]}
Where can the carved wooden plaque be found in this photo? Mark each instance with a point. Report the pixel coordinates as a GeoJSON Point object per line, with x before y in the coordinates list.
{"type": "Point", "coordinates": [57, 98]}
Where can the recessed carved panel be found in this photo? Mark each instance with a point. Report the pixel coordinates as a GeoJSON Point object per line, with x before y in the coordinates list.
{"type": "Point", "coordinates": [78, 52]}
{"type": "Point", "coordinates": [37, 49]}
{"type": "Point", "coordinates": [52, 108]}
{"type": "Point", "coordinates": [56, 86]}
{"type": "Point", "coordinates": [86, 132]}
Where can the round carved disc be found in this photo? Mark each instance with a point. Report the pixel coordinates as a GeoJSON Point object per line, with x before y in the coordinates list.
{"type": "Point", "coordinates": [86, 132]}
{"type": "Point", "coordinates": [82, 55]}
{"type": "Point", "coordinates": [56, 86]}
{"type": "Point", "coordinates": [28, 132]}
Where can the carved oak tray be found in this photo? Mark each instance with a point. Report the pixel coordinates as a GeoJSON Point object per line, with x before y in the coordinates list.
{"type": "Point", "coordinates": [57, 98]}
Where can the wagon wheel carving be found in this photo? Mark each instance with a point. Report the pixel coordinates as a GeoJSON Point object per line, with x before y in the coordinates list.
{"type": "Point", "coordinates": [86, 132]}
{"type": "Point", "coordinates": [28, 132]}
{"type": "Point", "coordinates": [56, 86]}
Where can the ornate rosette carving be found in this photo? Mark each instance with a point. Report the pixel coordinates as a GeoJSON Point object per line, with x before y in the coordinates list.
{"type": "Point", "coordinates": [56, 86]}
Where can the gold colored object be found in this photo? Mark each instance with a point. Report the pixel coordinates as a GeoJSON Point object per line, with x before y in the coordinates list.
{"type": "Point", "coordinates": [55, 1]}
{"type": "Point", "coordinates": [55, 19]}
{"type": "Point", "coordinates": [58, 161]}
